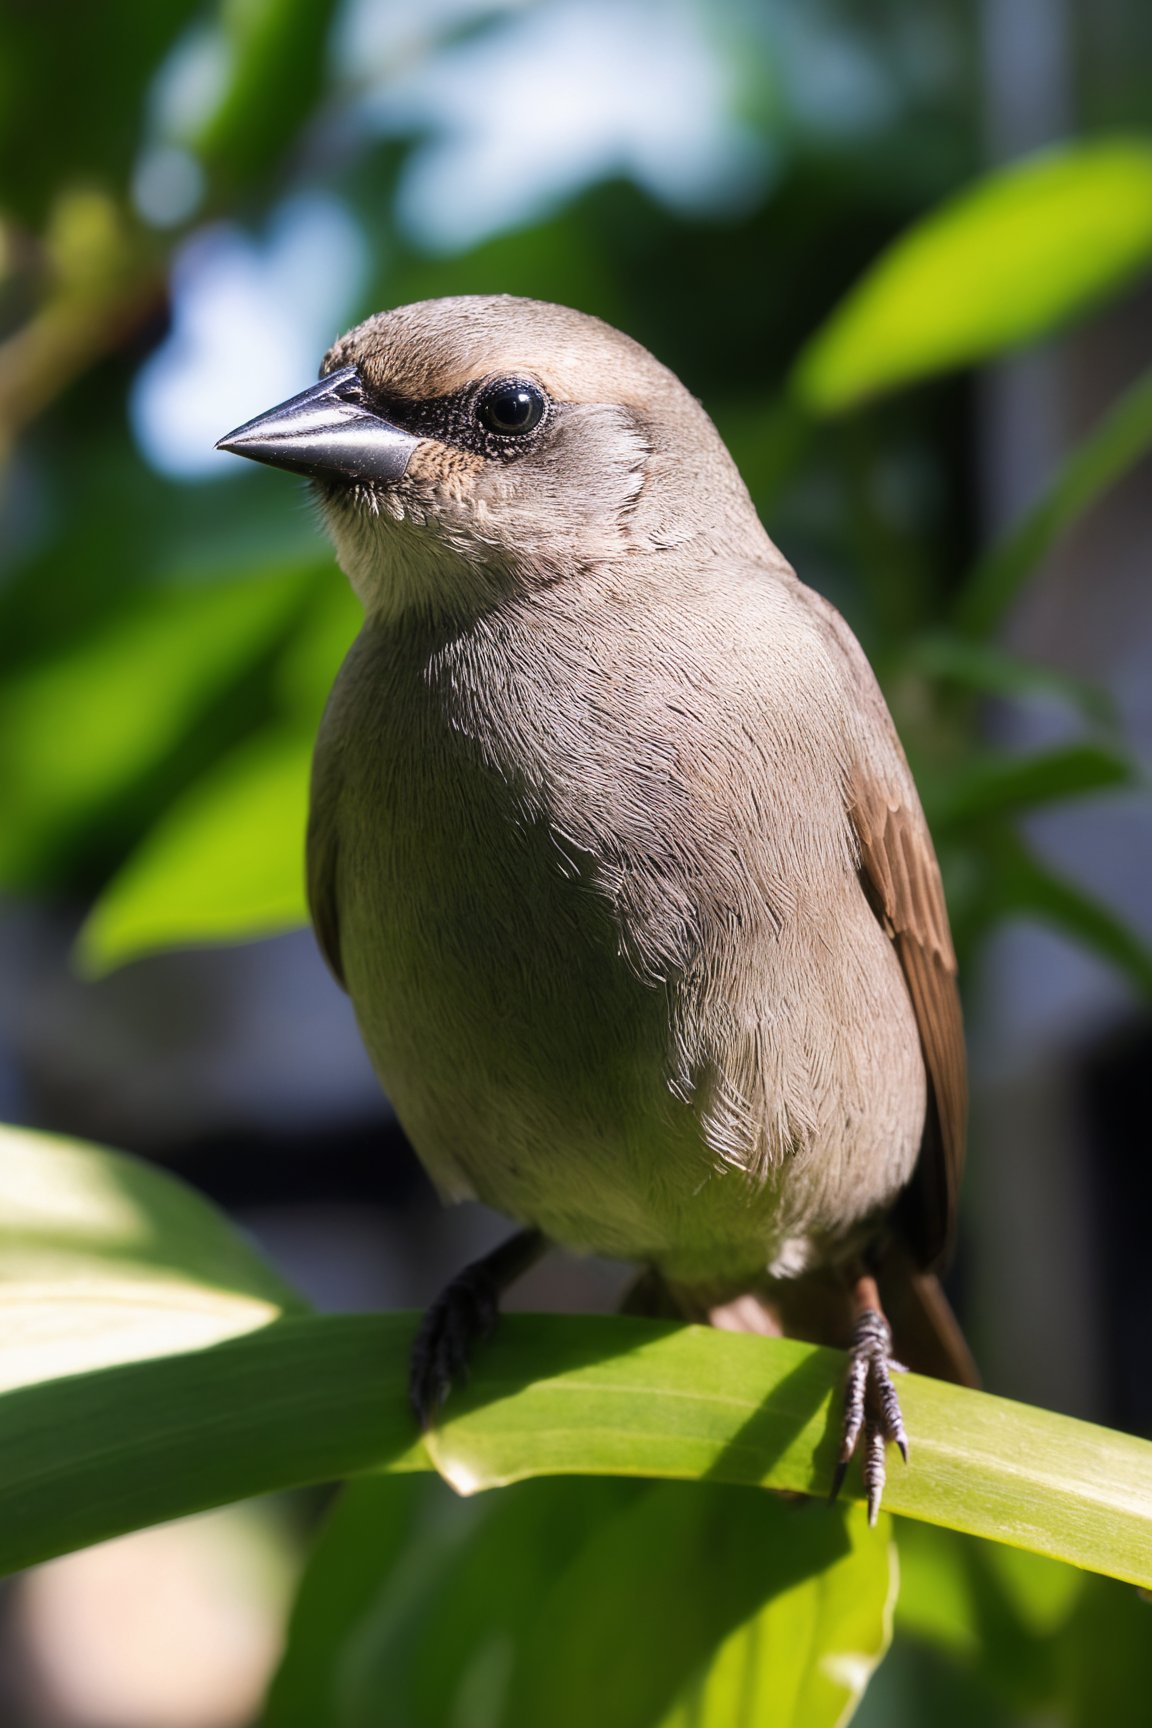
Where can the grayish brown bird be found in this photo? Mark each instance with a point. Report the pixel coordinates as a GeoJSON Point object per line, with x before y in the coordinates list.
{"type": "Point", "coordinates": [616, 850]}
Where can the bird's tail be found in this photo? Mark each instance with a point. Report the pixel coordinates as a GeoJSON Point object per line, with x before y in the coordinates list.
{"type": "Point", "coordinates": [926, 1335]}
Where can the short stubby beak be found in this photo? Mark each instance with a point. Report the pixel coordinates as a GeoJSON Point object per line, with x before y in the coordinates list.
{"type": "Point", "coordinates": [326, 431]}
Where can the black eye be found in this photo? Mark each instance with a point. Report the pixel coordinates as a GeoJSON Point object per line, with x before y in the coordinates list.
{"type": "Point", "coordinates": [511, 407]}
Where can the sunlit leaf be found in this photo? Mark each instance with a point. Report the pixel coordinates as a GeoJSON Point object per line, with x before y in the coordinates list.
{"type": "Point", "coordinates": [105, 1259]}
{"type": "Point", "coordinates": [1122, 438]}
{"type": "Point", "coordinates": [804, 1659]}
{"type": "Point", "coordinates": [225, 864]}
{"type": "Point", "coordinates": [999, 265]}
{"type": "Point", "coordinates": [321, 1397]}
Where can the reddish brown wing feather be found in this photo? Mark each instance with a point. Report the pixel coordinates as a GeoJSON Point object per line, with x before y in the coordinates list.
{"type": "Point", "coordinates": [901, 877]}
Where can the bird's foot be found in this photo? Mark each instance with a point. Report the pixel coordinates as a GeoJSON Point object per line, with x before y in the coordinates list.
{"type": "Point", "coordinates": [871, 1405]}
{"type": "Point", "coordinates": [461, 1317]}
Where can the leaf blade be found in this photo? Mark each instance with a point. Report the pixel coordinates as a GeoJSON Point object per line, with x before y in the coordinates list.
{"type": "Point", "coordinates": [989, 787]}
{"type": "Point", "coordinates": [224, 864]}
{"type": "Point", "coordinates": [1033, 245]}
{"type": "Point", "coordinates": [106, 1259]}
{"type": "Point", "coordinates": [316, 1398]}
{"type": "Point", "coordinates": [1109, 452]}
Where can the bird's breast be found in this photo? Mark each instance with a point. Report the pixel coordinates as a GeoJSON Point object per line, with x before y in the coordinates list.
{"type": "Point", "coordinates": [586, 1004]}
{"type": "Point", "coordinates": [524, 1054]}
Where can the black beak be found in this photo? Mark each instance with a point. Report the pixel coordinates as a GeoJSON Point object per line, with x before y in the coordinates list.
{"type": "Point", "coordinates": [326, 430]}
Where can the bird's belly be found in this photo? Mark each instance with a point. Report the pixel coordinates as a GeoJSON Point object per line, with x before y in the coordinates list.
{"type": "Point", "coordinates": [525, 1058]}
{"type": "Point", "coordinates": [532, 1067]}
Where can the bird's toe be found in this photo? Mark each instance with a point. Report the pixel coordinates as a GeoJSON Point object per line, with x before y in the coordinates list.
{"type": "Point", "coordinates": [871, 1407]}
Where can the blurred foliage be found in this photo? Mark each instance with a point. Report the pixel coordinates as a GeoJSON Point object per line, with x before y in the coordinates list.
{"type": "Point", "coordinates": [640, 1604]}
{"type": "Point", "coordinates": [166, 644]}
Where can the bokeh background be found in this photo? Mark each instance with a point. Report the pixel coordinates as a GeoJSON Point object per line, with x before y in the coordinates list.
{"type": "Point", "coordinates": [194, 200]}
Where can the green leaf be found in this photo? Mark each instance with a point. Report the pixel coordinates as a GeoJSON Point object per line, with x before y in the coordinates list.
{"type": "Point", "coordinates": [225, 864]}
{"type": "Point", "coordinates": [108, 1262]}
{"type": "Point", "coordinates": [82, 729]}
{"type": "Point", "coordinates": [317, 1398]}
{"type": "Point", "coordinates": [1001, 264]}
{"type": "Point", "coordinates": [988, 670]}
{"type": "Point", "coordinates": [524, 1608]}
{"type": "Point", "coordinates": [1113, 448]}
{"type": "Point", "coordinates": [360, 1551]}
{"type": "Point", "coordinates": [995, 1609]}
{"type": "Point", "coordinates": [805, 1657]}
{"type": "Point", "coordinates": [105, 1259]}
{"type": "Point", "coordinates": [277, 60]}
{"type": "Point", "coordinates": [995, 786]}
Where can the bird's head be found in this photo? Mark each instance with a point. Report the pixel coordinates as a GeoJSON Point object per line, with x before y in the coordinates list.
{"type": "Point", "coordinates": [465, 448]}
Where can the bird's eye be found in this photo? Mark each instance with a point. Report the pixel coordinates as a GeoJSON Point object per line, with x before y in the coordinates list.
{"type": "Point", "coordinates": [511, 407]}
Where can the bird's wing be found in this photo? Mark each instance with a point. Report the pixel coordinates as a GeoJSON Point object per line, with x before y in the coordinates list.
{"type": "Point", "coordinates": [322, 854]}
{"type": "Point", "coordinates": [900, 876]}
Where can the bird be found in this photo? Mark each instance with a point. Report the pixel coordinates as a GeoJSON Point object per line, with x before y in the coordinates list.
{"type": "Point", "coordinates": [614, 846]}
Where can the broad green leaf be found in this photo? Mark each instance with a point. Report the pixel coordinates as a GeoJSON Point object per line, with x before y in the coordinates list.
{"type": "Point", "coordinates": [82, 729]}
{"type": "Point", "coordinates": [105, 1259]}
{"type": "Point", "coordinates": [350, 1575]}
{"type": "Point", "coordinates": [795, 1615]}
{"type": "Point", "coordinates": [1106, 1664]}
{"type": "Point", "coordinates": [1122, 438]}
{"type": "Point", "coordinates": [1004, 262]}
{"type": "Point", "coordinates": [108, 1262]}
{"type": "Point", "coordinates": [225, 864]}
{"type": "Point", "coordinates": [316, 1398]}
{"type": "Point", "coordinates": [457, 1607]}
{"type": "Point", "coordinates": [226, 861]}
{"type": "Point", "coordinates": [994, 786]}
{"type": "Point", "coordinates": [997, 1610]}
{"type": "Point", "coordinates": [550, 1600]}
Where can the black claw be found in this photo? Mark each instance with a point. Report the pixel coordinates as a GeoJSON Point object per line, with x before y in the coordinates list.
{"type": "Point", "coordinates": [459, 1319]}
{"type": "Point", "coordinates": [462, 1317]}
